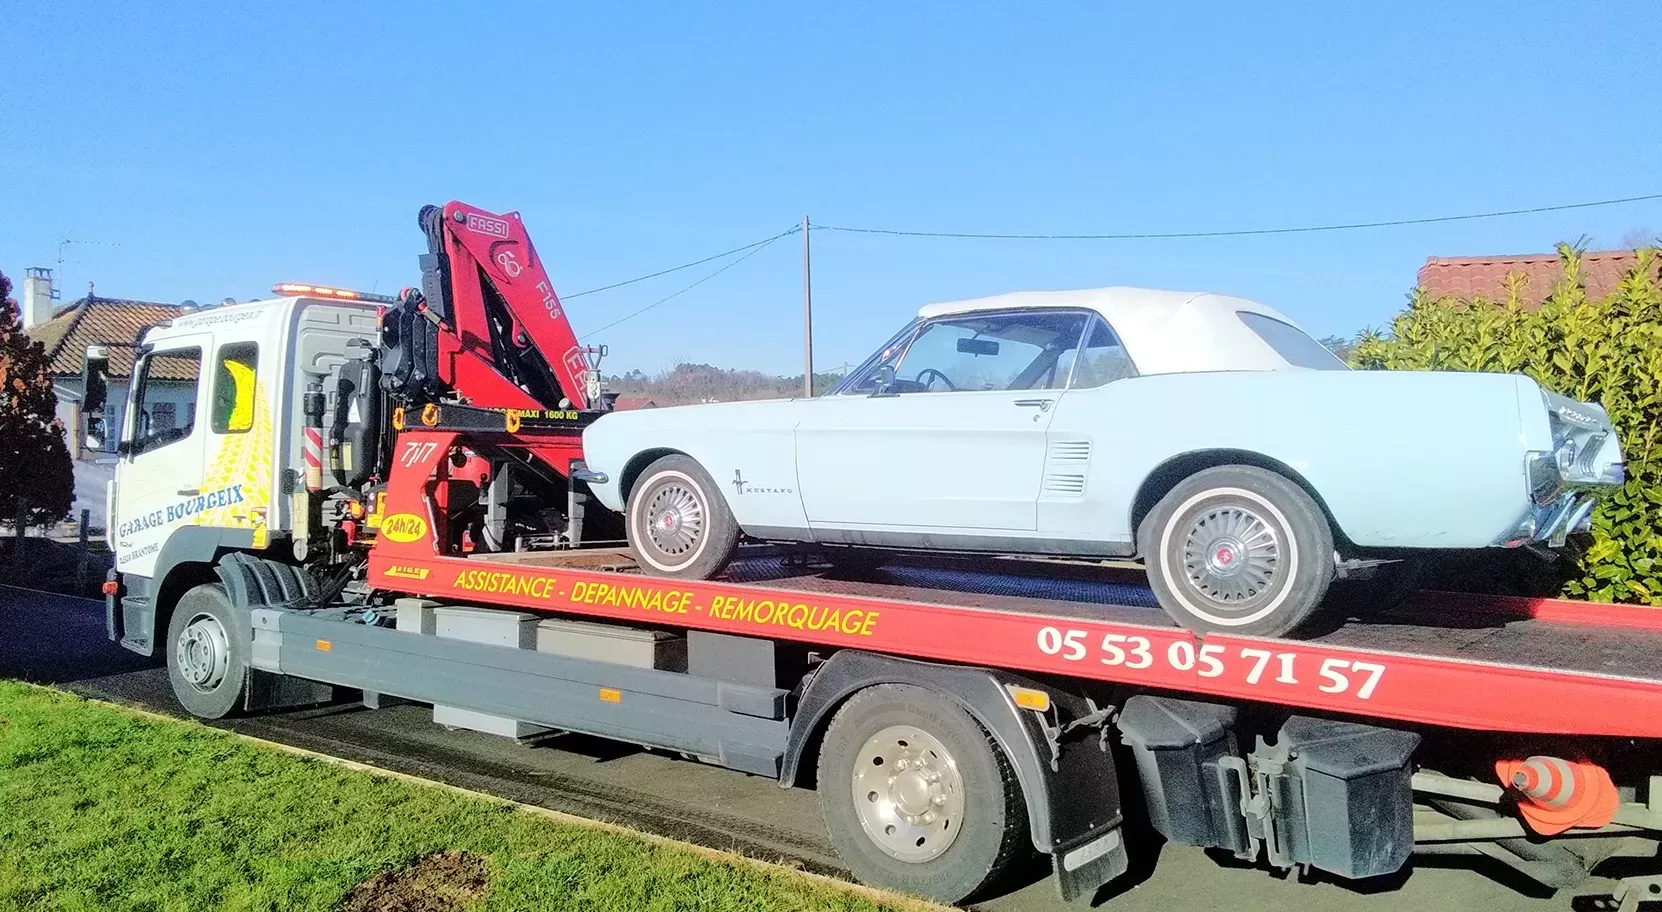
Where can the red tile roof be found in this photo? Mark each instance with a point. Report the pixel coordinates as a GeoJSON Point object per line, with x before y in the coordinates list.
{"type": "Point", "coordinates": [1469, 278]}
{"type": "Point", "coordinates": [92, 321]}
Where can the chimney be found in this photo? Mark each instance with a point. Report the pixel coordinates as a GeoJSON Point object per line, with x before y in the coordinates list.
{"type": "Point", "coordinates": [38, 297]}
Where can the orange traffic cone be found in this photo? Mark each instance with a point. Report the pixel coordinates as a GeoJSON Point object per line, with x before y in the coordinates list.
{"type": "Point", "coordinates": [1557, 794]}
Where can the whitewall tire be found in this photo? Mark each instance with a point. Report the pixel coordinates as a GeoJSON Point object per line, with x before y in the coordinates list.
{"type": "Point", "coordinates": [679, 525]}
{"type": "Point", "coordinates": [1238, 549]}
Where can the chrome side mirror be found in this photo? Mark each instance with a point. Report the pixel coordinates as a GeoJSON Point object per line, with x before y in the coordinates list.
{"type": "Point", "coordinates": [95, 374]}
{"type": "Point", "coordinates": [885, 380]}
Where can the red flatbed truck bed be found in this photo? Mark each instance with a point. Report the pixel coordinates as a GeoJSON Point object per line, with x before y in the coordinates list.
{"type": "Point", "coordinates": [1537, 666]}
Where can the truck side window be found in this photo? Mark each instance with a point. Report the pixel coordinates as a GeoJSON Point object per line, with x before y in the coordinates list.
{"type": "Point", "coordinates": [233, 402]}
{"type": "Point", "coordinates": [165, 398]}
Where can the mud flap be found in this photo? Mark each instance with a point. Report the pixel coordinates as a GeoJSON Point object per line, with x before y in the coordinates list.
{"type": "Point", "coordinates": [1096, 860]}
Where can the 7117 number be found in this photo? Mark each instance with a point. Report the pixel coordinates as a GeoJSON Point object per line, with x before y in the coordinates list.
{"type": "Point", "coordinates": [1254, 666]}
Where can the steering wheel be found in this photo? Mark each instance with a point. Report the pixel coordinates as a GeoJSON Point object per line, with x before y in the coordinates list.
{"type": "Point", "coordinates": [931, 372]}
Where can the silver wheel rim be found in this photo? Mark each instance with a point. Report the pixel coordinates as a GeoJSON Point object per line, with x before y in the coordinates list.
{"type": "Point", "coordinates": [1231, 556]}
{"type": "Point", "coordinates": [908, 793]}
{"type": "Point", "coordinates": [204, 653]}
{"type": "Point", "coordinates": [674, 517]}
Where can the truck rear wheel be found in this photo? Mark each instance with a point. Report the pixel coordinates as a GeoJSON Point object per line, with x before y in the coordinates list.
{"type": "Point", "coordinates": [917, 797]}
{"type": "Point", "coordinates": [207, 659]}
{"type": "Point", "coordinates": [678, 523]}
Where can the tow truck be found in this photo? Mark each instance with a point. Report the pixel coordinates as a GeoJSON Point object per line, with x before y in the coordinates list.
{"type": "Point", "coordinates": [383, 497]}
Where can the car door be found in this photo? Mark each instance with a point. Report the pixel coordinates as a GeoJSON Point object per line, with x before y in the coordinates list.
{"type": "Point", "coordinates": [1078, 499]}
{"type": "Point", "coordinates": [160, 466]}
{"type": "Point", "coordinates": [950, 442]}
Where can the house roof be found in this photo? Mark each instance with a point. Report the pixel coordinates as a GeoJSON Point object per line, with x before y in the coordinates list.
{"type": "Point", "coordinates": [103, 321]}
{"type": "Point", "coordinates": [1471, 278]}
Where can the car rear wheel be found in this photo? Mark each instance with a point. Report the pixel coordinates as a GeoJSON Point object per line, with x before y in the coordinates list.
{"type": "Point", "coordinates": [678, 523]}
{"type": "Point", "coordinates": [1238, 549]}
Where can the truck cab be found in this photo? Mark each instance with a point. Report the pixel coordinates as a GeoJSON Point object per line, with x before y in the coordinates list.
{"type": "Point", "coordinates": [203, 473]}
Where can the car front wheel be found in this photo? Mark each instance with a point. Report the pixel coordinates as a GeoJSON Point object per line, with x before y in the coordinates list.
{"type": "Point", "coordinates": [1238, 549]}
{"type": "Point", "coordinates": [678, 523]}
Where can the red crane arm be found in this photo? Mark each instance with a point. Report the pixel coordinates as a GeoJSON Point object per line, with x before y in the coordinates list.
{"type": "Point", "coordinates": [504, 330]}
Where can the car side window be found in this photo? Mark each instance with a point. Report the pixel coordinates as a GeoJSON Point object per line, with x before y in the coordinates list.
{"type": "Point", "coordinates": [164, 399]}
{"type": "Point", "coordinates": [990, 351]}
{"type": "Point", "coordinates": [1291, 343]}
{"type": "Point", "coordinates": [234, 374]}
{"type": "Point", "coordinates": [1103, 359]}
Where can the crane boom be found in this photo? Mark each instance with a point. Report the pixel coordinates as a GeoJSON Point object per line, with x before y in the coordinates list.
{"type": "Point", "coordinates": [486, 325]}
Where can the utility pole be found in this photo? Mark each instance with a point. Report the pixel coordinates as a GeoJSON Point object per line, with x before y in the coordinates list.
{"type": "Point", "coordinates": [807, 316]}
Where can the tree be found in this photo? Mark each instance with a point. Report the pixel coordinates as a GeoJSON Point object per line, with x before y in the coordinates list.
{"type": "Point", "coordinates": [1338, 345]}
{"type": "Point", "coordinates": [37, 473]}
{"type": "Point", "coordinates": [1636, 238]}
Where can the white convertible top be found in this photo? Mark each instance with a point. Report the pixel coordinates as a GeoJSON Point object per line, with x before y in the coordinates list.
{"type": "Point", "coordinates": [1164, 332]}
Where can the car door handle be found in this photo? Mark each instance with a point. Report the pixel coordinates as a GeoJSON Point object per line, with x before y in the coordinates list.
{"type": "Point", "coordinates": [189, 492]}
{"type": "Point", "coordinates": [1042, 405]}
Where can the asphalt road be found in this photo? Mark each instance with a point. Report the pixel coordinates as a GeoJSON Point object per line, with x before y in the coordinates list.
{"type": "Point", "coordinates": [60, 640]}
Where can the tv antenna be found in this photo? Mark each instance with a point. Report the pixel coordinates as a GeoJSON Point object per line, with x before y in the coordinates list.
{"type": "Point", "coordinates": [68, 242]}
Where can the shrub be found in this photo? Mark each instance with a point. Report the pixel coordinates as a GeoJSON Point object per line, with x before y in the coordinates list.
{"type": "Point", "coordinates": [1607, 351]}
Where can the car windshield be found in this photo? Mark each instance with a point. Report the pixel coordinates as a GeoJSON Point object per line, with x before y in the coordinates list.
{"type": "Point", "coordinates": [1291, 343]}
{"type": "Point", "coordinates": [1028, 350]}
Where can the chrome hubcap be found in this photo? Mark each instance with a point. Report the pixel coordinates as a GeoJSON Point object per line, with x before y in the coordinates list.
{"type": "Point", "coordinates": [674, 518]}
{"type": "Point", "coordinates": [908, 793]}
{"type": "Point", "coordinates": [1231, 555]}
{"type": "Point", "coordinates": [204, 653]}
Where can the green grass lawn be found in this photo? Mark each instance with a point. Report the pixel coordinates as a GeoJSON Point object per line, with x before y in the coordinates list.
{"type": "Point", "coordinates": [102, 809]}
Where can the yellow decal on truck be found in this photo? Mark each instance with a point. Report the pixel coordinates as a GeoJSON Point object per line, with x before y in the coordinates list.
{"type": "Point", "coordinates": [505, 583]}
{"type": "Point", "coordinates": [404, 527]}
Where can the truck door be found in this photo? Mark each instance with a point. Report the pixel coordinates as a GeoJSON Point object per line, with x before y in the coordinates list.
{"type": "Point", "coordinates": [159, 472]}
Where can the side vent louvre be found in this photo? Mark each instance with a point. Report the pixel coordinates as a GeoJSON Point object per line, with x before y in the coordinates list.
{"type": "Point", "coordinates": [1065, 466]}
{"type": "Point", "coordinates": [1066, 485]}
{"type": "Point", "coordinates": [1070, 451]}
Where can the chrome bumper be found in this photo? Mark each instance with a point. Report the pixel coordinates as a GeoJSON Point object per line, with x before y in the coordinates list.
{"type": "Point", "coordinates": [1553, 522]}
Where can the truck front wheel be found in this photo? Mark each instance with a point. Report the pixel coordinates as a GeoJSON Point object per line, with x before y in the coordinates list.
{"type": "Point", "coordinates": [917, 797]}
{"type": "Point", "coordinates": [207, 662]}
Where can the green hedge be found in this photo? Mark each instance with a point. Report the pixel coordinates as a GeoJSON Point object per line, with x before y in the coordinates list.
{"type": "Point", "coordinates": [1605, 350]}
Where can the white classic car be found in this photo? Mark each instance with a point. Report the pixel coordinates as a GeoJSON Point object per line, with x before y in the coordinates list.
{"type": "Point", "coordinates": [1207, 435]}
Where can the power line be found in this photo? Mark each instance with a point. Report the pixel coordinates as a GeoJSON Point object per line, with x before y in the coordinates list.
{"type": "Point", "coordinates": [663, 272]}
{"type": "Point", "coordinates": [1306, 229]}
{"type": "Point", "coordinates": [754, 249]}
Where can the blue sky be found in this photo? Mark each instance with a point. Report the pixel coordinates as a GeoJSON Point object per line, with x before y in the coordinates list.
{"type": "Point", "coordinates": [224, 148]}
